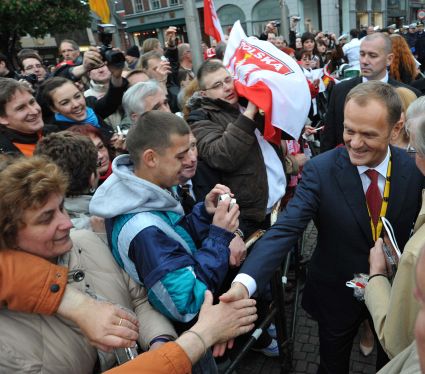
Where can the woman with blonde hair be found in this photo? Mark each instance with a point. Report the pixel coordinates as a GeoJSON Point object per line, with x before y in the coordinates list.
{"type": "Point", "coordinates": [407, 97]}
{"type": "Point", "coordinates": [403, 68]}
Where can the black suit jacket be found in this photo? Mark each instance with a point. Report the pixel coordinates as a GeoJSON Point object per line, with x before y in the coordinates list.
{"type": "Point", "coordinates": [334, 123]}
{"type": "Point", "coordinates": [331, 193]}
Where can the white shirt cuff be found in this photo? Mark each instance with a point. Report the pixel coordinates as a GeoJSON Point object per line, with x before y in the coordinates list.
{"type": "Point", "coordinates": [248, 281]}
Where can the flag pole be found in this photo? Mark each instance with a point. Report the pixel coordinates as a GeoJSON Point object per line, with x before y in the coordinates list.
{"type": "Point", "coordinates": [194, 32]}
{"type": "Point", "coordinates": [284, 27]}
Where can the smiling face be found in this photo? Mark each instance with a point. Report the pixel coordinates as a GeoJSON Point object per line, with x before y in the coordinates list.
{"type": "Point", "coordinates": [170, 162]}
{"type": "Point", "coordinates": [190, 162]}
{"type": "Point", "coordinates": [102, 154]}
{"type": "Point", "coordinates": [69, 101]}
{"type": "Point", "coordinates": [367, 133]}
{"type": "Point", "coordinates": [46, 230]}
{"type": "Point", "coordinates": [219, 85]}
{"type": "Point", "coordinates": [22, 113]}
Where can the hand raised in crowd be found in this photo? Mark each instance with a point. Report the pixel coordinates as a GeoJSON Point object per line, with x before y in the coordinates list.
{"type": "Point", "coordinates": [377, 261]}
{"type": "Point", "coordinates": [162, 71]}
{"type": "Point", "coordinates": [225, 217]}
{"type": "Point", "coordinates": [251, 110]}
{"type": "Point", "coordinates": [271, 27]}
{"type": "Point", "coordinates": [211, 199]}
{"type": "Point", "coordinates": [236, 293]}
{"type": "Point", "coordinates": [237, 251]}
{"type": "Point", "coordinates": [98, 224]}
{"type": "Point", "coordinates": [224, 321]}
{"type": "Point", "coordinates": [118, 142]}
{"type": "Point", "coordinates": [92, 59]}
{"type": "Point", "coordinates": [170, 37]}
{"type": "Point", "coordinates": [104, 324]}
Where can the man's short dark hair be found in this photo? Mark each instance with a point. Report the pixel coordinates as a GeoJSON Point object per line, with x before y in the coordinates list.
{"type": "Point", "coordinates": [27, 53]}
{"type": "Point", "coordinates": [354, 33]}
{"type": "Point", "coordinates": [3, 58]}
{"type": "Point", "coordinates": [148, 56]}
{"type": "Point", "coordinates": [220, 50]}
{"type": "Point", "coordinates": [75, 154]}
{"type": "Point", "coordinates": [8, 88]}
{"type": "Point", "coordinates": [153, 130]}
{"type": "Point", "coordinates": [208, 67]}
{"type": "Point", "coordinates": [363, 93]}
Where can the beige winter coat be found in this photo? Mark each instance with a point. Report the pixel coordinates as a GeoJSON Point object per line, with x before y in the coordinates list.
{"type": "Point", "coordinates": [31, 343]}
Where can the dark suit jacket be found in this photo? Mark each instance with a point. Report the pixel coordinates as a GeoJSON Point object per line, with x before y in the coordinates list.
{"type": "Point", "coordinates": [334, 123]}
{"type": "Point", "coordinates": [331, 193]}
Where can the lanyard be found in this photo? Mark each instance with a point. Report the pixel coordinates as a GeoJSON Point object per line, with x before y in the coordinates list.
{"type": "Point", "coordinates": [376, 231]}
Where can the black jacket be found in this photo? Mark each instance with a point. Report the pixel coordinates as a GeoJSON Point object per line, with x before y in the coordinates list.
{"type": "Point", "coordinates": [334, 128]}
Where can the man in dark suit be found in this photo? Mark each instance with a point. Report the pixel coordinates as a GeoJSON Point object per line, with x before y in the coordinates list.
{"type": "Point", "coordinates": [375, 56]}
{"type": "Point", "coordinates": [333, 193]}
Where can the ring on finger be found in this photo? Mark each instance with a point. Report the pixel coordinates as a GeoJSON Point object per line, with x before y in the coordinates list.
{"type": "Point", "coordinates": [120, 322]}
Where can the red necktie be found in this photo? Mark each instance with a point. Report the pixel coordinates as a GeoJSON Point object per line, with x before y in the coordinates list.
{"type": "Point", "coordinates": [373, 196]}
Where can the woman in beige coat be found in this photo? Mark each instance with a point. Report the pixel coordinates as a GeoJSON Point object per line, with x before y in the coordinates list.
{"type": "Point", "coordinates": [33, 220]}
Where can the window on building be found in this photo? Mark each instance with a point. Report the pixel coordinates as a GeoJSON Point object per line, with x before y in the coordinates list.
{"type": "Point", "coordinates": [173, 2]}
{"type": "Point", "coordinates": [138, 6]}
{"type": "Point", "coordinates": [155, 4]}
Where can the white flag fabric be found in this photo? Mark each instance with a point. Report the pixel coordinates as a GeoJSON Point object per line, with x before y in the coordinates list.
{"type": "Point", "coordinates": [270, 79]}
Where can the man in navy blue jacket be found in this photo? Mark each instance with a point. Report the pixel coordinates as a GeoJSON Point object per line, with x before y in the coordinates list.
{"type": "Point", "coordinates": [332, 193]}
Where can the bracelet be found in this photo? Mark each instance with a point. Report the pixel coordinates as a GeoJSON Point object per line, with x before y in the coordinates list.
{"type": "Point", "coordinates": [200, 338]}
{"type": "Point", "coordinates": [239, 233]}
{"type": "Point", "coordinates": [159, 339]}
{"type": "Point", "coordinates": [377, 275]}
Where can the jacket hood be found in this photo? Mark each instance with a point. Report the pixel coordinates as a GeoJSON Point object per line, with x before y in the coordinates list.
{"type": "Point", "coordinates": [124, 193]}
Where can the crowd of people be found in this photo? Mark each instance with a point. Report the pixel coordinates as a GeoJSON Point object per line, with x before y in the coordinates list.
{"type": "Point", "coordinates": [128, 191]}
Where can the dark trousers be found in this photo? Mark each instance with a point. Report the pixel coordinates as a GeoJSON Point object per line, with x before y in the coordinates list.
{"type": "Point", "coordinates": [336, 345]}
{"type": "Point", "coordinates": [335, 348]}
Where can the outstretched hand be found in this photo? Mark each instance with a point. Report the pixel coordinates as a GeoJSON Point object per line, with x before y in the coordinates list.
{"type": "Point", "coordinates": [104, 324]}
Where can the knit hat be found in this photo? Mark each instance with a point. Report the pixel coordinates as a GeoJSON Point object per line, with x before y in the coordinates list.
{"type": "Point", "coordinates": [133, 51]}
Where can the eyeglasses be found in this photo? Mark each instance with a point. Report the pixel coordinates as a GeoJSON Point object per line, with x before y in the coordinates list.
{"type": "Point", "coordinates": [218, 85]}
{"type": "Point", "coordinates": [38, 66]}
{"type": "Point", "coordinates": [411, 150]}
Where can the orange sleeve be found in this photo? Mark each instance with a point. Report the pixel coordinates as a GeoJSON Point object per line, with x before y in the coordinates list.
{"type": "Point", "coordinates": [168, 359]}
{"type": "Point", "coordinates": [29, 283]}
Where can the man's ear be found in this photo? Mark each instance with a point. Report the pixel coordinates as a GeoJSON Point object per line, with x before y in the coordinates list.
{"type": "Point", "coordinates": [149, 158]}
{"type": "Point", "coordinates": [395, 131]}
{"type": "Point", "coordinates": [4, 121]}
{"type": "Point", "coordinates": [390, 58]}
{"type": "Point", "coordinates": [134, 117]}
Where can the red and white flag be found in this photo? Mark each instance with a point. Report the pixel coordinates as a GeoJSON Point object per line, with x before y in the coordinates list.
{"type": "Point", "coordinates": [211, 22]}
{"type": "Point", "coordinates": [270, 79]}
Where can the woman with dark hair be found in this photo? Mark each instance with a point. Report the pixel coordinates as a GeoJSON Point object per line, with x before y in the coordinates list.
{"type": "Point", "coordinates": [105, 154]}
{"type": "Point", "coordinates": [69, 106]}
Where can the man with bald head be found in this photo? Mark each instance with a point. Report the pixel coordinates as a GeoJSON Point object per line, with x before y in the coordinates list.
{"type": "Point", "coordinates": [375, 57]}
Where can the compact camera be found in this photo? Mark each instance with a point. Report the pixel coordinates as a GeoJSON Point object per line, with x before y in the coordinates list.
{"type": "Point", "coordinates": [114, 58]}
{"type": "Point", "coordinates": [226, 196]}
{"type": "Point", "coordinates": [30, 78]}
